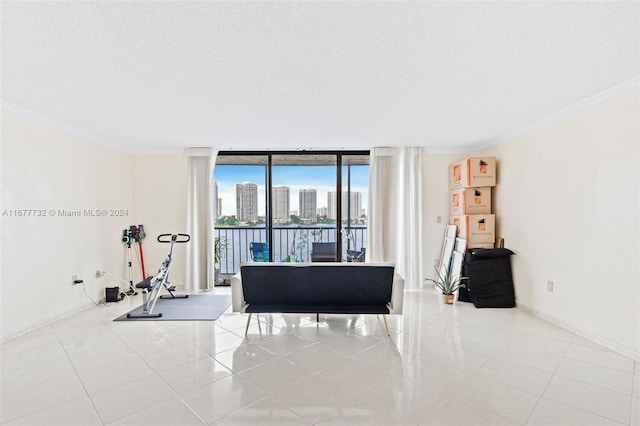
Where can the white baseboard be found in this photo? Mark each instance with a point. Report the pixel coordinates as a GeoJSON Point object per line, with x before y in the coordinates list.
{"type": "Point", "coordinates": [589, 335]}
{"type": "Point", "coordinates": [7, 336]}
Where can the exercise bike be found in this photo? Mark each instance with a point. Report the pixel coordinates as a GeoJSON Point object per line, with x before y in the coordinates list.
{"type": "Point", "coordinates": [151, 286]}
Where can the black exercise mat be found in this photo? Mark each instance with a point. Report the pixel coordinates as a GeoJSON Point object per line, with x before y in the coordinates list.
{"type": "Point", "coordinates": [196, 307]}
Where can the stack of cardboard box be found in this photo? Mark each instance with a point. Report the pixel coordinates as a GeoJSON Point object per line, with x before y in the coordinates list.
{"type": "Point", "coordinates": [471, 181]}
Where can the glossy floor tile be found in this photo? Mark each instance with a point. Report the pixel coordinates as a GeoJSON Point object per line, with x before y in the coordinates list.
{"type": "Point", "coordinates": [442, 365]}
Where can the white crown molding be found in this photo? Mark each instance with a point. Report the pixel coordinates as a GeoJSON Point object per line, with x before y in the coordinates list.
{"type": "Point", "coordinates": [198, 152]}
{"type": "Point", "coordinates": [44, 120]}
{"type": "Point", "coordinates": [630, 87]}
{"type": "Point", "coordinates": [443, 150]}
{"type": "Point", "coordinates": [616, 92]}
{"type": "Point", "coordinates": [159, 151]}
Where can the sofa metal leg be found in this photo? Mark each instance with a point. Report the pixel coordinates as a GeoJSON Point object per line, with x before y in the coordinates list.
{"type": "Point", "coordinates": [246, 330]}
{"type": "Point", "coordinates": [259, 326]}
{"type": "Point", "coordinates": [384, 317]}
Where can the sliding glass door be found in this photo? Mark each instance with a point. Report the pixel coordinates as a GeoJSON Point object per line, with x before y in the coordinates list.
{"type": "Point", "coordinates": [355, 196]}
{"type": "Point", "coordinates": [240, 233]}
{"type": "Point", "coordinates": [289, 202]}
{"type": "Point", "coordinates": [299, 192]}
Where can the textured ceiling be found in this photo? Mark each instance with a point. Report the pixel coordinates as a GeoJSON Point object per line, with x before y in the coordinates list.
{"type": "Point", "coordinates": [160, 76]}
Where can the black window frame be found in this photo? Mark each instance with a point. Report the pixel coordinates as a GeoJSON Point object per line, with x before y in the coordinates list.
{"type": "Point", "coordinates": [269, 187]}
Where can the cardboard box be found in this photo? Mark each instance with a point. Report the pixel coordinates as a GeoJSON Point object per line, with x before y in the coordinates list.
{"type": "Point", "coordinates": [478, 228]}
{"type": "Point", "coordinates": [476, 171]}
{"type": "Point", "coordinates": [464, 201]}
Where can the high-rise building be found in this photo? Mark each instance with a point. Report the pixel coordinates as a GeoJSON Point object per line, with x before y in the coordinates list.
{"type": "Point", "coordinates": [353, 203]}
{"type": "Point", "coordinates": [218, 200]}
{"type": "Point", "coordinates": [280, 204]}
{"type": "Point", "coordinates": [332, 205]}
{"type": "Point", "coordinates": [308, 204]}
{"type": "Point", "coordinates": [247, 202]}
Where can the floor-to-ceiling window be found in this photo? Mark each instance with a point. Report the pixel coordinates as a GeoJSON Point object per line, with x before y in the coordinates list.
{"type": "Point", "coordinates": [288, 202]}
{"type": "Point", "coordinates": [355, 192]}
{"type": "Point", "coordinates": [303, 182]}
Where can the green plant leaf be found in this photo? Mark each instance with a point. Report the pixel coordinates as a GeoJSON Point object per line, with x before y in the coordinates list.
{"type": "Point", "coordinates": [447, 282]}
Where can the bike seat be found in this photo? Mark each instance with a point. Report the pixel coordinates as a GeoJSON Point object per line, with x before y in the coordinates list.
{"type": "Point", "coordinates": [145, 284]}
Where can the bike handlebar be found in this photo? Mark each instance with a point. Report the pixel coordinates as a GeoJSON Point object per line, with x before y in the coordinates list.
{"type": "Point", "coordinates": [174, 238]}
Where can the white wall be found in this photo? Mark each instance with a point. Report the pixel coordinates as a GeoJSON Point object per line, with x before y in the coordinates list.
{"type": "Point", "coordinates": [160, 198]}
{"type": "Point", "coordinates": [44, 168]}
{"type": "Point", "coordinates": [567, 202]}
{"type": "Point", "coordinates": [435, 202]}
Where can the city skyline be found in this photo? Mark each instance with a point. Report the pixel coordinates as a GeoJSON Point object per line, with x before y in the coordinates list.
{"type": "Point", "coordinates": [320, 178]}
{"type": "Point", "coordinates": [246, 194]}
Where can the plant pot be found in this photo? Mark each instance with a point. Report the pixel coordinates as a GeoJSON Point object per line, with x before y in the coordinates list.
{"type": "Point", "coordinates": [448, 299]}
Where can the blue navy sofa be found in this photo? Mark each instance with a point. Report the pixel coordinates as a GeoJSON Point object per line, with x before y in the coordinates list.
{"type": "Point", "coordinates": [320, 288]}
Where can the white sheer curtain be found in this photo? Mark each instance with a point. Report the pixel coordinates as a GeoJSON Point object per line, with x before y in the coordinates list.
{"type": "Point", "coordinates": [200, 208]}
{"type": "Point", "coordinates": [395, 210]}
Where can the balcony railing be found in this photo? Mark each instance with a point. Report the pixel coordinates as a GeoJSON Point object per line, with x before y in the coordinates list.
{"type": "Point", "coordinates": [287, 240]}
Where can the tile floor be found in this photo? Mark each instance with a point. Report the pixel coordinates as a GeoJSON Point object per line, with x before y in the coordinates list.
{"type": "Point", "coordinates": [442, 365]}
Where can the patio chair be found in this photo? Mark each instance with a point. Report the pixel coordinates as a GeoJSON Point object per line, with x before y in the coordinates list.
{"type": "Point", "coordinates": [323, 252]}
{"type": "Point", "coordinates": [355, 255]}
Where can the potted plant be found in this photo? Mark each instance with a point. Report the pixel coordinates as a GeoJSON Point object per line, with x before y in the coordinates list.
{"type": "Point", "coordinates": [219, 250]}
{"type": "Point", "coordinates": [299, 243]}
{"type": "Point", "coordinates": [448, 283]}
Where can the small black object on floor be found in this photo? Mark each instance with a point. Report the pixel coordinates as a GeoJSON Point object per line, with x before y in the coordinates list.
{"type": "Point", "coordinates": [113, 294]}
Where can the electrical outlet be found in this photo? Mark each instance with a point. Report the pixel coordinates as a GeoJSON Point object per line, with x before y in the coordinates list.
{"type": "Point", "coordinates": [438, 219]}
{"type": "Point", "coordinates": [550, 286]}
{"type": "Point", "coordinates": [436, 263]}
{"type": "Point", "coordinates": [99, 273]}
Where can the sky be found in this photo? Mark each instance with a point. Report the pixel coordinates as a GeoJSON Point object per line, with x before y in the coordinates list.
{"type": "Point", "coordinates": [321, 178]}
